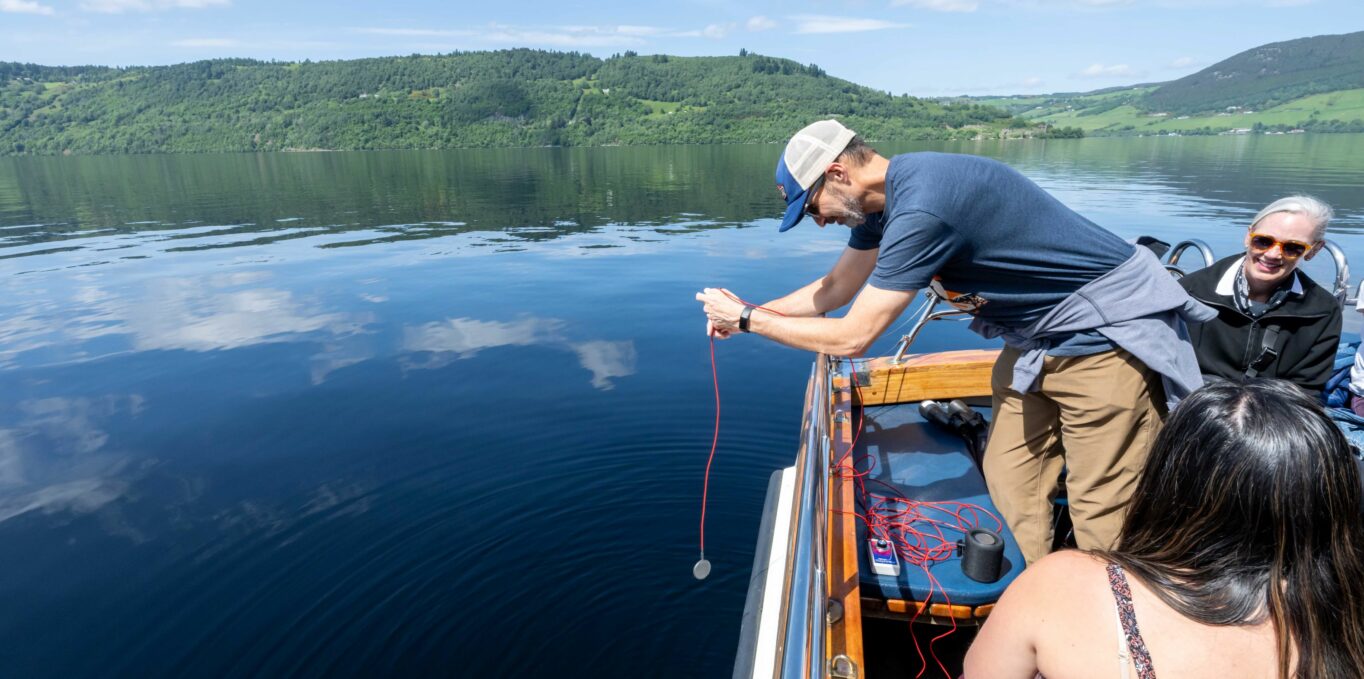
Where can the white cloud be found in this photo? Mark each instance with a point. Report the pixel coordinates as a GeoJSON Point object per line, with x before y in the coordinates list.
{"type": "Point", "coordinates": [1074, 4]}
{"type": "Point", "coordinates": [413, 32]}
{"type": "Point", "coordinates": [121, 6]}
{"type": "Point", "coordinates": [24, 7]}
{"type": "Point", "coordinates": [1029, 84]}
{"type": "Point", "coordinates": [717, 30]}
{"type": "Point", "coordinates": [940, 5]}
{"type": "Point", "coordinates": [1097, 70]}
{"type": "Point", "coordinates": [714, 31]}
{"type": "Point", "coordinates": [205, 42]}
{"type": "Point", "coordinates": [815, 23]}
{"type": "Point", "coordinates": [572, 38]}
{"type": "Point", "coordinates": [638, 30]}
{"type": "Point", "coordinates": [760, 23]}
{"type": "Point", "coordinates": [1185, 62]}
{"type": "Point", "coordinates": [556, 36]}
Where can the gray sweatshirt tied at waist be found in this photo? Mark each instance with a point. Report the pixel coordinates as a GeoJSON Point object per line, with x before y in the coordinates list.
{"type": "Point", "coordinates": [1138, 306]}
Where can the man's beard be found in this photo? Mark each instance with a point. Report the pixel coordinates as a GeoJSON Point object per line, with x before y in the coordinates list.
{"type": "Point", "coordinates": [850, 210]}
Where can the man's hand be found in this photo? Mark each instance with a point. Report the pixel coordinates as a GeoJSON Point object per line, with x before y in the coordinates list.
{"type": "Point", "coordinates": [722, 311]}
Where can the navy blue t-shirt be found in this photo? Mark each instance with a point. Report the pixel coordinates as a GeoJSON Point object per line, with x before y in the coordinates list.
{"type": "Point", "coordinates": [992, 240]}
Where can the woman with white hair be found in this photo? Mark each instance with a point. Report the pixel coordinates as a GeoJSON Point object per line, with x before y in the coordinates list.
{"type": "Point", "coordinates": [1272, 320]}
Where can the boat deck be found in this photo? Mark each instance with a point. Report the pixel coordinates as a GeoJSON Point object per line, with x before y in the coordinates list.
{"type": "Point", "coordinates": [925, 462]}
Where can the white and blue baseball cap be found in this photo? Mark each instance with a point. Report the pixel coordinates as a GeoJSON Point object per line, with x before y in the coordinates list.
{"type": "Point", "coordinates": [803, 162]}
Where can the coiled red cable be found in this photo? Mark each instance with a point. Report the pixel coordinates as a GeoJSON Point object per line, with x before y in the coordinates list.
{"type": "Point", "coordinates": [918, 529]}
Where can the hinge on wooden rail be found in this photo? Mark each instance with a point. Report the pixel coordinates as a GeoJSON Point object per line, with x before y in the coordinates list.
{"type": "Point", "coordinates": [861, 378]}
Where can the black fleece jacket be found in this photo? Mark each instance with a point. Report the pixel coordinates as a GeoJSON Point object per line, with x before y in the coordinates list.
{"type": "Point", "coordinates": [1309, 331]}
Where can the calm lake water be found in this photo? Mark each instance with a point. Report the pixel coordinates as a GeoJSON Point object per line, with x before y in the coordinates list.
{"type": "Point", "coordinates": [443, 413]}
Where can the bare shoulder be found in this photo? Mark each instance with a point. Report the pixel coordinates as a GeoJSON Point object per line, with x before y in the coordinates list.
{"type": "Point", "coordinates": [1043, 620]}
{"type": "Point", "coordinates": [1069, 562]}
{"type": "Point", "coordinates": [1072, 569]}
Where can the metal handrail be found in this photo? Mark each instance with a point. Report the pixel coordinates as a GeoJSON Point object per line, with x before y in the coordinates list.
{"type": "Point", "coordinates": [800, 642]}
{"type": "Point", "coordinates": [931, 300]}
{"type": "Point", "coordinates": [1341, 287]}
{"type": "Point", "coordinates": [1179, 249]}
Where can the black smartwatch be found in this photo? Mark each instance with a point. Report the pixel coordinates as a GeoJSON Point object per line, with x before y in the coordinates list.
{"type": "Point", "coordinates": [743, 318]}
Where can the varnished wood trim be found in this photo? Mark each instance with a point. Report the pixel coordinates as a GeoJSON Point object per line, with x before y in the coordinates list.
{"type": "Point", "coordinates": [942, 376]}
{"type": "Point", "coordinates": [845, 635]}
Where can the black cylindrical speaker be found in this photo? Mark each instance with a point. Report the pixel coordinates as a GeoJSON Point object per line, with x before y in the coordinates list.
{"type": "Point", "coordinates": [982, 555]}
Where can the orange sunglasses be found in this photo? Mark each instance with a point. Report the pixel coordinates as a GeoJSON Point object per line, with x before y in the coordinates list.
{"type": "Point", "coordinates": [1291, 249]}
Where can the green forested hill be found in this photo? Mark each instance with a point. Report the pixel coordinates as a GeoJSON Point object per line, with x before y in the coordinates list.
{"type": "Point", "coordinates": [1267, 76]}
{"type": "Point", "coordinates": [1314, 84]}
{"type": "Point", "coordinates": [506, 98]}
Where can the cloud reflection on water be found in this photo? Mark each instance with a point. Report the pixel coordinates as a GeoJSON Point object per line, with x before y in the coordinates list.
{"type": "Point", "coordinates": [436, 345]}
{"type": "Point", "coordinates": [56, 456]}
{"type": "Point", "coordinates": [192, 314]}
{"type": "Point", "coordinates": [54, 459]}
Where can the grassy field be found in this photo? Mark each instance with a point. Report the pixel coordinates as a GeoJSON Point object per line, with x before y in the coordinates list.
{"type": "Point", "coordinates": [1035, 107]}
{"type": "Point", "coordinates": [1114, 112]}
{"type": "Point", "coordinates": [658, 109]}
{"type": "Point", "coordinates": [1345, 105]}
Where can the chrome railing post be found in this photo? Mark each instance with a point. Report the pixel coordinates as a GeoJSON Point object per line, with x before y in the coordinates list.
{"type": "Point", "coordinates": [931, 300]}
{"type": "Point", "coordinates": [1178, 250]}
{"type": "Point", "coordinates": [1341, 287]}
{"type": "Point", "coordinates": [801, 641]}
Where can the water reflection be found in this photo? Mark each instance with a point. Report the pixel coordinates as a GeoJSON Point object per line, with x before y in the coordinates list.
{"type": "Point", "coordinates": [606, 360]}
{"type": "Point", "coordinates": [102, 209]}
{"type": "Point", "coordinates": [437, 345]}
{"type": "Point", "coordinates": [461, 338]}
{"type": "Point", "coordinates": [54, 458]}
{"type": "Point", "coordinates": [526, 195]}
{"type": "Point", "coordinates": [223, 311]}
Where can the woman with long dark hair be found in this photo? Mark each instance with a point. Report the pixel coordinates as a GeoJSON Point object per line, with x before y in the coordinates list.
{"type": "Point", "coordinates": [1241, 555]}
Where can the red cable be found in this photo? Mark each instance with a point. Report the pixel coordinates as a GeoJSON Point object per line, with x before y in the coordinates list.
{"type": "Point", "coordinates": [705, 486]}
{"type": "Point", "coordinates": [715, 377]}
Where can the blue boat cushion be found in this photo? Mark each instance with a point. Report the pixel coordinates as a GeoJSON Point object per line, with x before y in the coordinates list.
{"type": "Point", "coordinates": [927, 463]}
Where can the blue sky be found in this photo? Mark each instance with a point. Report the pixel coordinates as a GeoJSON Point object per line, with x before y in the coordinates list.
{"type": "Point", "coordinates": [920, 47]}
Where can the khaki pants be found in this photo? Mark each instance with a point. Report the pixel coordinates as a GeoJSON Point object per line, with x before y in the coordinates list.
{"type": "Point", "coordinates": [1095, 415]}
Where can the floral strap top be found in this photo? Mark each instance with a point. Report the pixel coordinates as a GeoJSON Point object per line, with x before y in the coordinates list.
{"type": "Point", "coordinates": [1130, 644]}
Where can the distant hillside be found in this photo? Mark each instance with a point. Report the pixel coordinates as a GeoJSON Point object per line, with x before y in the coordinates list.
{"type": "Point", "coordinates": [1267, 76]}
{"type": "Point", "coordinates": [1313, 84]}
{"type": "Point", "coordinates": [506, 98]}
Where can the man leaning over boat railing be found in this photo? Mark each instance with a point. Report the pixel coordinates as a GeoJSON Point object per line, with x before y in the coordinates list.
{"type": "Point", "coordinates": [1096, 347]}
